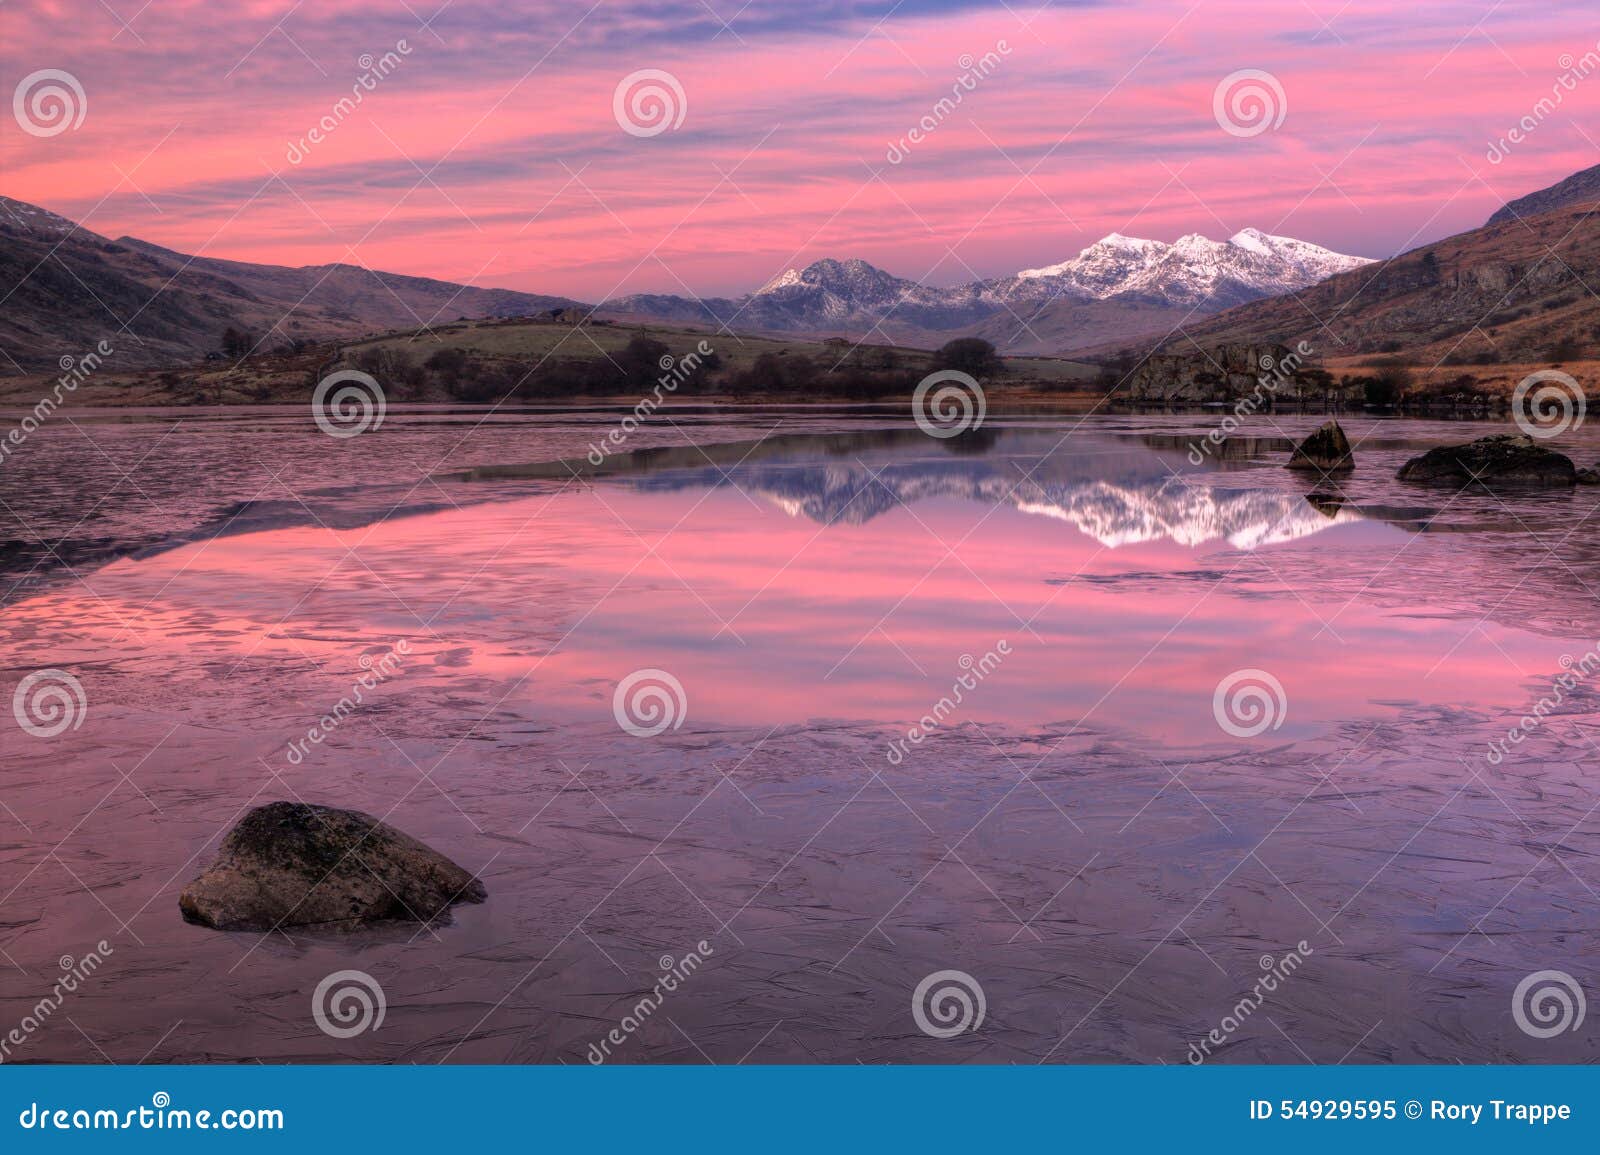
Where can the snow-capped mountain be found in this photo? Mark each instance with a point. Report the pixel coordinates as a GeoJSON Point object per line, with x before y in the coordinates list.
{"type": "Point", "coordinates": [831, 293]}
{"type": "Point", "coordinates": [1194, 269]}
{"type": "Point", "coordinates": [1192, 273]}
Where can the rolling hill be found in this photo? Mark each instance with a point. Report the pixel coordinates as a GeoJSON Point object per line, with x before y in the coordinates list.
{"type": "Point", "coordinates": [63, 289]}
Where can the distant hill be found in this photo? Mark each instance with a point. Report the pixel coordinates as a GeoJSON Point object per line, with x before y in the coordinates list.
{"type": "Point", "coordinates": [1581, 188]}
{"type": "Point", "coordinates": [65, 289]}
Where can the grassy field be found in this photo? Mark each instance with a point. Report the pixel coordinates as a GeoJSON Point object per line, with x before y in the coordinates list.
{"type": "Point", "coordinates": [290, 376]}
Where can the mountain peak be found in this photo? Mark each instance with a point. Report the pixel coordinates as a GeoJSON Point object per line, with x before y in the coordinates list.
{"type": "Point", "coordinates": [852, 278]}
{"type": "Point", "coordinates": [1122, 241]}
{"type": "Point", "coordinates": [1194, 268]}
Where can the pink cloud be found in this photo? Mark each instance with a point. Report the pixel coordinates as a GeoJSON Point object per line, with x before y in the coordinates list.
{"type": "Point", "coordinates": [491, 151]}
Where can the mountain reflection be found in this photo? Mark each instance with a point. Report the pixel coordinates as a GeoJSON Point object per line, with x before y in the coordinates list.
{"type": "Point", "coordinates": [1116, 492]}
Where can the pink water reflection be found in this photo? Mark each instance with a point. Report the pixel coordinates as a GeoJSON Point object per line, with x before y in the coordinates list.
{"type": "Point", "coordinates": [768, 617]}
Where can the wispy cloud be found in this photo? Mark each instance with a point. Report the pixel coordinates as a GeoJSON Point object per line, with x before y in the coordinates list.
{"type": "Point", "coordinates": [496, 142]}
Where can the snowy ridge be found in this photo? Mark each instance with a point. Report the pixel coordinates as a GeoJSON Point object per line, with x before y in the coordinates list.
{"type": "Point", "coordinates": [1194, 268]}
{"type": "Point", "coordinates": [1191, 272]}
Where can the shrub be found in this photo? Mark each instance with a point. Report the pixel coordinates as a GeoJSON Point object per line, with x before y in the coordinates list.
{"type": "Point", "coordinates": [971, 355]}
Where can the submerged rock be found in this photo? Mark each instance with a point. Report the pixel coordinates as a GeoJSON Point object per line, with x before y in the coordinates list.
{"type": "Point", "coordinates": [294, 864]}
{"type": "Point", "coordinates": [1499, 460]}
{"type": "Point", "coordinates": [1327, 451]}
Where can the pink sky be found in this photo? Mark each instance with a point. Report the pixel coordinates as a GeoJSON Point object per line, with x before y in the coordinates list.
{"type": "Point", "coordinates": [491, 154]}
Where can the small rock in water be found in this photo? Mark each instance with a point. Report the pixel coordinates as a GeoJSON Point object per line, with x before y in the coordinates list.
{"type": "Point", "coordinates": [295, 864]}
{"type": "Point", "coordinates": [1326, 451]}
{"type": "Point", "coordinates": [1589, 476]}
{"type": "Point", "coordinates": [1499, 460]}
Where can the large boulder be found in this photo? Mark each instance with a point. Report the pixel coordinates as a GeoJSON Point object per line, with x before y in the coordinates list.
{"type": "Point", "coordinates": [294, 864]}
{"type": "Point", "coordinates": [1326, 451]}
{"type": "Point", "coordinates": [1490, 461]}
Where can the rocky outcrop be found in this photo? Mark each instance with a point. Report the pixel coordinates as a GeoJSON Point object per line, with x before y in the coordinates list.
{"type": "Point", "coordinates": [294, 864]}
{"type": "Point", "coordinates": [1491, 461]}
{"type": "Point", "coordinates": [1223, 373]}
{"type": "Point", "coordinates": [1325, 451]}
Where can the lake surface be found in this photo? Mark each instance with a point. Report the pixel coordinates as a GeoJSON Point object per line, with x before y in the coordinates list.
{"type": "Point", "coordinates": [1107, 732]}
